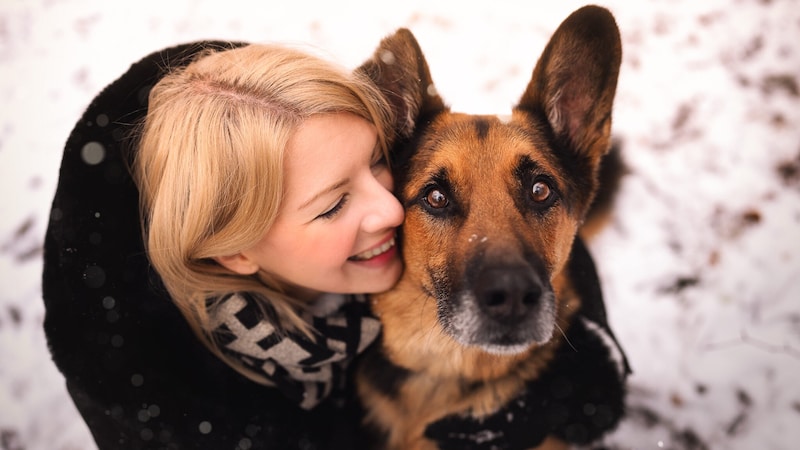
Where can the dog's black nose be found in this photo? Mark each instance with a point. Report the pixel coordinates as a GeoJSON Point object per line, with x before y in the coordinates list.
{"type": "Point", "coordinates": [508, 293]}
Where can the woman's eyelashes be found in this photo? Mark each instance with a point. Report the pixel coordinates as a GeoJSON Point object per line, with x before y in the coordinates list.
{"type": "Point", "coordinates": [335, 209]}
{"type": "Point", "coordinates": [377, 165]}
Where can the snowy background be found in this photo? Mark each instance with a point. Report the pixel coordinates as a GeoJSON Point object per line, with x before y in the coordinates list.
{"type": "Point", "coordinates": [700, 263]}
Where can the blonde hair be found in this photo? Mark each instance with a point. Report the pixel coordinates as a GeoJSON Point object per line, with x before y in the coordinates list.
{"type": "Point", "coordinates": [209, 165]}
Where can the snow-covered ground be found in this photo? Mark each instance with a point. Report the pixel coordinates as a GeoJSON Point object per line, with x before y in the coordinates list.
{"type": "Point", "coordinates": [700, 263]}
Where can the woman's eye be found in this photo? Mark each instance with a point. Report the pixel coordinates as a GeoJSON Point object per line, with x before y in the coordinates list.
{"type": "Point", "coordinates": [334, 210]}
{"type": "Point", "coordinates": [436, 199]}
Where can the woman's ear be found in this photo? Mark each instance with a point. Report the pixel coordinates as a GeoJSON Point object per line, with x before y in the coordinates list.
{"type": "Point", "coordinates": [238, 263]}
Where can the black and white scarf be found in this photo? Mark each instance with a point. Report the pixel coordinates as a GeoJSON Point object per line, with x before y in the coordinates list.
{"type": "Point", "coordinates": [305, 369]}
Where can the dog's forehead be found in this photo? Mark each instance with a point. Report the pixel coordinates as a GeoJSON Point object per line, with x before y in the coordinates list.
{"type": "Point", "coordinates": [480, 146]}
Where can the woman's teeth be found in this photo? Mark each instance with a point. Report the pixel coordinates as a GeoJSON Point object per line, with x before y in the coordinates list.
{"type": "Point", "coordinates": [369, 254]}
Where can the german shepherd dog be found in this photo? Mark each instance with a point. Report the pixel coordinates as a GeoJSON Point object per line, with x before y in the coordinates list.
{"type": "Point", "coordinates": [493, 212]}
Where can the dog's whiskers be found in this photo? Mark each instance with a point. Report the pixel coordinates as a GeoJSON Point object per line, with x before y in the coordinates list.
{"type": "Point", "coordinates": [560, 330]}
{"type": "Point", "coordinates": [431, 329]}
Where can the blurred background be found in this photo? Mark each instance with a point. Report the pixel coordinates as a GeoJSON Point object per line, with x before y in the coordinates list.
{"type": "Point", "coordinates": [701, 259]}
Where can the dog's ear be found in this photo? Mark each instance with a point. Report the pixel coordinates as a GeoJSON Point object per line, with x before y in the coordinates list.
{"type": "Point", "coordinates": [399, 69]}
{"type": "Point", "coordinates": [575, 80]}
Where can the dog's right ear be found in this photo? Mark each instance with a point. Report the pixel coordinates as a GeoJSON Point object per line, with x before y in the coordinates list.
{"type": "Point", "coordinates": [575, 79]}
{"type": "Point", "coordinates": [400, 70]}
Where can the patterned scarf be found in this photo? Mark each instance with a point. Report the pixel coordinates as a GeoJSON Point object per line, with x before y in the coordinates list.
{"type": "Point", "coordinates": [305, 369]}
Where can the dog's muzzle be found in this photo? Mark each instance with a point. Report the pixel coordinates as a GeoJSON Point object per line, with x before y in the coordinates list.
{"type": "Point", "coordinates": [504, 309]}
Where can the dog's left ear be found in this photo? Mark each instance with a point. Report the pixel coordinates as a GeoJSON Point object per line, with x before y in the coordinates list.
{"type": "Point", "coordinates": [400, 70]}
{"type": "Point", "coordinates": [575, 80]}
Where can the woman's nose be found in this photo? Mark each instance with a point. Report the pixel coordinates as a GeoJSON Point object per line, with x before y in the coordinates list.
{"type": "Point", "coordinates": [383, 212]}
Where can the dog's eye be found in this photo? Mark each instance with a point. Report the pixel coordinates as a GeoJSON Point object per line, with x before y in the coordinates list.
{"type": "Point", "coordinates": [541, 192]}
{"type": "Point", "coordinates": [436, 199]}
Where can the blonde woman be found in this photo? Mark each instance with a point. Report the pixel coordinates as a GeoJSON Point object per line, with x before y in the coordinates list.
{"type": "Point", "coordinates": [262, 172]}
{"type": "Point", "coordinates": [265, 202]}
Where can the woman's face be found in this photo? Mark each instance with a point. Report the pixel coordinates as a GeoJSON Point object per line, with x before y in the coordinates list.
{"type": "Point", "coordinates": [335, 231]}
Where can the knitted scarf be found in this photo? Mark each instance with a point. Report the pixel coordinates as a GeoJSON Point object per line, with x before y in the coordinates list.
{"type": "Point", "coordinates": [304, 369]}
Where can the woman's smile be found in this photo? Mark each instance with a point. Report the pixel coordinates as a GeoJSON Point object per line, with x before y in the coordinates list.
{"type": "Point", "coordinates": [388, 246]}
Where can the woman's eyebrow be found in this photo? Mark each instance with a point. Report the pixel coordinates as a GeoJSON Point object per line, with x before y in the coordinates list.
{"type": "Point", "coordinates": [327, 190]}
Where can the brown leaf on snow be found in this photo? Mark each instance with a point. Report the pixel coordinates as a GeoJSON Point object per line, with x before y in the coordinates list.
{"type": "Point", "coordinates": [789, 171]}
{"type": "Point", "coordinates": [782, 82]}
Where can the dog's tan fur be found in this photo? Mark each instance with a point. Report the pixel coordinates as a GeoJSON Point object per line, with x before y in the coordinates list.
{"type": "Point", "coordinates": [567, 103]}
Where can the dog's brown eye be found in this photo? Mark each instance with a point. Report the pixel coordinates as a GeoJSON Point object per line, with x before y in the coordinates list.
{"type": "Point", "coordinates": [540, 192]}
{"type": "Point", "coordinates": [436, 199]}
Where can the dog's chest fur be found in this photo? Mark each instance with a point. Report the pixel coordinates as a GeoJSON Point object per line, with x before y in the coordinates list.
{"type": "Point", "coordinates": [442, 378]}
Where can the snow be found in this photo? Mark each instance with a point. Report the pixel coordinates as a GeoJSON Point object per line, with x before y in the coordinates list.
{"type": "Point", "coordinates": [700, 262]}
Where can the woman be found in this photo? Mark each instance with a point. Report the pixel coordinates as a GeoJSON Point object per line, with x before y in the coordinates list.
{"type": "Point", "coordinates": [264, 197]}
{"type": "Point", "coordinates": [262, 172]}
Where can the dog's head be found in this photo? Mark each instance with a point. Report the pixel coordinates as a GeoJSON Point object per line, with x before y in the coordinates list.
{"type": "Point", "coordinates": [493, 206]}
